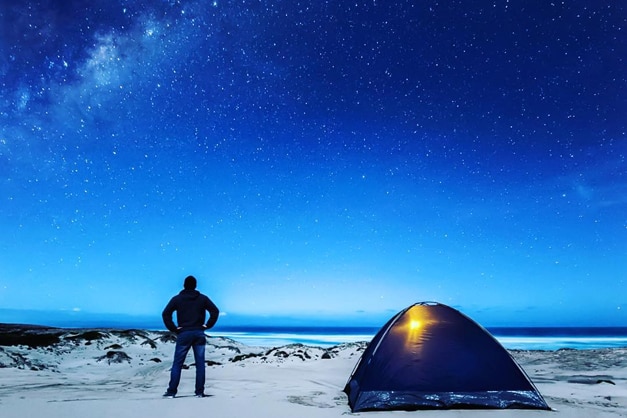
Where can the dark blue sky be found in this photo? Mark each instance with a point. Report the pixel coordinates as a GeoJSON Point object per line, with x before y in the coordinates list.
{"type": "Point", "coordinates": [316, 159]}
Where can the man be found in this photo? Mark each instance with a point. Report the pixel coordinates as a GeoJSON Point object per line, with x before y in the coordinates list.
{"type": "Point", "coordinates": [190, 306]}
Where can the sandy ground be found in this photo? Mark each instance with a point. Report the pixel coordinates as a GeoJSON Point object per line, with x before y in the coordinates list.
{"type": "Point", "coordinates": [124, 374]}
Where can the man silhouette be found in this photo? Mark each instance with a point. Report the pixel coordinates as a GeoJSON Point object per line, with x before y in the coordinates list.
{"type": "Point", "coordinates": [190, 306]}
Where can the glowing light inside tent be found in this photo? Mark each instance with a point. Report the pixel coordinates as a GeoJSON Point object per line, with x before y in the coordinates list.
{"type": "Point", "coordinates": [413, 327]}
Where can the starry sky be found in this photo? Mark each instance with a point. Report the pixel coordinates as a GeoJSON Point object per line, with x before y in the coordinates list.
{"type": "Point", "coordinates": [314, 162]}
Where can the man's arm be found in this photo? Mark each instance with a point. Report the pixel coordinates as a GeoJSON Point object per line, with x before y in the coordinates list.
{"type": "Point", "coordinates": [167, 315]}
{"type": "Point", "coordinates": [214, 312]}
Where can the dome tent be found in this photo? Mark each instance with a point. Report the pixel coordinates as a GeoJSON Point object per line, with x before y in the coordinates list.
{"type": "Point", "coordinates": [431, 356]}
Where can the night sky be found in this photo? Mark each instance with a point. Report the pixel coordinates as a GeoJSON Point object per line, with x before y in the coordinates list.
{"type": "Point", "coordinates": [322, 162]}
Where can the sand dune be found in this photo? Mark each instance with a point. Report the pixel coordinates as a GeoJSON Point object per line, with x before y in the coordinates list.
{"type": "Point", "coordinates": [47, 372]}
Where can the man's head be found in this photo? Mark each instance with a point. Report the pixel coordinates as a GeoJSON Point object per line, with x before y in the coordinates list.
{"type": "Point", "coordinates": [190, 283]}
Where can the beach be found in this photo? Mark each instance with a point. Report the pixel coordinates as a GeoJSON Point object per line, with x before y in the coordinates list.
{"type": "Point", "coordinates": [123, 373]}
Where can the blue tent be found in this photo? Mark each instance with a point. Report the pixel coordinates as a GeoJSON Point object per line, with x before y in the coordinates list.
{"type": "Point", "coordinates": [431, 356]}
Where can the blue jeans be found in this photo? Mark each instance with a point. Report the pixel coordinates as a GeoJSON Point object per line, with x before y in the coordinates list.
{"type": "Point", "coordinates": [184, 341]}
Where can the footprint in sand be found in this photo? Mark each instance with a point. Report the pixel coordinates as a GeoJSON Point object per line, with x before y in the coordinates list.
{"type": "Point", "coordinates": [311, 400]}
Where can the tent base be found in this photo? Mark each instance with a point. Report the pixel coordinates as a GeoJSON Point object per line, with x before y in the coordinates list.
{"type": "Point", "coordinates": [410, 401]}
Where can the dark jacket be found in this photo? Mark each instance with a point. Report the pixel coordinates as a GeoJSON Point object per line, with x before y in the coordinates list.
{"type": "Point", "coordinates": [190, 307]}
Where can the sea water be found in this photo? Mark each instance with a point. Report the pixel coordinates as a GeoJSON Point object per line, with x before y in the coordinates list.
{"type": "Point", "coordinates": [511, 338]}
{"type": "Point", "coordinates": [579, 338]}
{"type": "Point", "coordinates": [278, 336]}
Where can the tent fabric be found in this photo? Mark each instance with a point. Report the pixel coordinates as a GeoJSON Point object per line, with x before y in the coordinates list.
{"type": "Point", "coordinates": [432, 356]}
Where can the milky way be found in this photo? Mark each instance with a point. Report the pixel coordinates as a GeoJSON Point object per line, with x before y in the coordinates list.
{"type": "Point", "coordinates": [316, 159]}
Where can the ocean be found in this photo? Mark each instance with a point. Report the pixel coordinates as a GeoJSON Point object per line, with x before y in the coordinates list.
{"type": "Point", "coordinates": [528, 338]}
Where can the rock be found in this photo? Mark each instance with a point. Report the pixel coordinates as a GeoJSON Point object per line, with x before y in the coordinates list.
{"type": "Point", "coordinates": [114, 347]}
{"type": "Point", "coordinates": [29, 335]}
{"type": "Point", "coordinates": [88, 336]}
{"type": "Point", "coordinates": [115, 357]}
{"type": "Point", "coordinates": [244, 357]}
{"type": "Point", "coordinates": [151, 343]}
{"type": "Point", "coordinates": [168, 338]}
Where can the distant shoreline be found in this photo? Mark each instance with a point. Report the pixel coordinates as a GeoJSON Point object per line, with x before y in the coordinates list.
{"type": "Point", "coordinates": [500, 330]}
{"type": "Point", "coordinates": [512, 338]}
